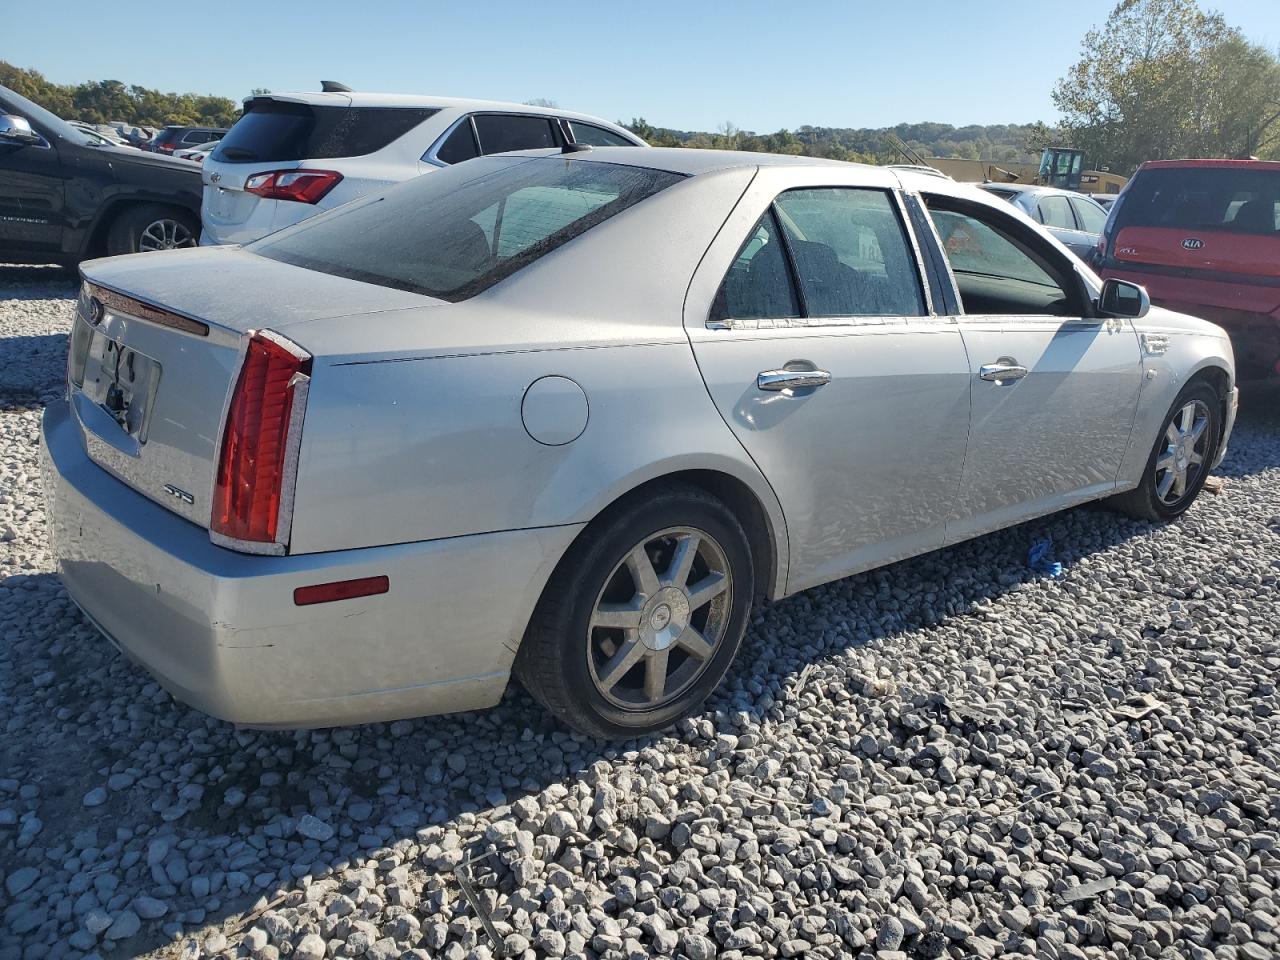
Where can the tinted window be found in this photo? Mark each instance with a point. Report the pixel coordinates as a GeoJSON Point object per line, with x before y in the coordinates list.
{"type": "Point", "coordinates": [167, 135]}
{"type": "Point", "coordinates": [1056, 212]}
{"type": "Point", "coordinates": [461, 145]}
{"type": "Point", "coordinates": [597, 136]}
{"type": "Point", "coordinates": [1090, 216]}
{"type": "Point", "coordinates": [273, 130]}
{"type": "Point", "coordinates": [500, 133]}
{"type": "Point", "coordinates": [759, 283]}
{"type": "Point", "coordinates": [851, 254]}
{"type": "Point", "coordinates": [463, 229]}
{"type": "Point", "coordinates": [1240, 200]}
{"type": "Point", "coordinates": [996, 273]}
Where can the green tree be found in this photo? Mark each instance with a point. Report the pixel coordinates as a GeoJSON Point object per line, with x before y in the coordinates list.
{"type": "Point", "coordinates": [1163, 78]}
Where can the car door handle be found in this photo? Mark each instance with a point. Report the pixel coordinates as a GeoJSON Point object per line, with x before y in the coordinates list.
{"type": "Point", "coordinates": [1004, 370]}
{"type": "Point", "coordinates": [781, 381]}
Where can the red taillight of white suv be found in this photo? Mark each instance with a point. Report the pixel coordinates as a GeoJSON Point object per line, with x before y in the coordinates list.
{"type": "Point", "coordinates": [303, 186]}
{"type": "Point", "coordinates": [258, 457]}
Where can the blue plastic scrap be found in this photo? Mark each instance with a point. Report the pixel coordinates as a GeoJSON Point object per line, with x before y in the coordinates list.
{"type": "Point", "coordinates": [1038, 559]}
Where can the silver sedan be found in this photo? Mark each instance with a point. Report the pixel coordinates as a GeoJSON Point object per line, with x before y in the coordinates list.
{"type": "Point", "coordinates": [569, 416]}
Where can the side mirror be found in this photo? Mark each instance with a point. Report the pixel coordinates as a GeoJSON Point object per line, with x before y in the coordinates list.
{"type": "Point", "coordinates": [1120, 298]}
{"type": "Point", "coordinates": [17, 129]}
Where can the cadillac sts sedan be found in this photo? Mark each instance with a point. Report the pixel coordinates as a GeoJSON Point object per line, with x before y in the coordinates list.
{"type": "Point", "coordinates": [568, 415]}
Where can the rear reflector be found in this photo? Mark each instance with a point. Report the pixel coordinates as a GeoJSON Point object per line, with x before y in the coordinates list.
{"type": "Point", "coordinates": [341, 590]}
{"type": "Point", "coordinates": [303, 186]}
{"type": "Point", "coordinates": [257, 462]}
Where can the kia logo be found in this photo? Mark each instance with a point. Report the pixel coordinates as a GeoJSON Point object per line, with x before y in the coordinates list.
{"type": "Point", "coordinates": [1193, 243]}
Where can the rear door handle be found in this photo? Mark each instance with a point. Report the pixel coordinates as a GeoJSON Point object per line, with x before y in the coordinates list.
{"type": "Point", "coordinates": [1004, 370]}
{"type": "Point", "coordinates": [784, 381]}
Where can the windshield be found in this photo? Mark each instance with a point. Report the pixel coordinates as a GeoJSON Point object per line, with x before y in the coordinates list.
{"type": "Point", "coordinates": [455, 233]}
{"type": "Point", "coordinates": [42, 119]}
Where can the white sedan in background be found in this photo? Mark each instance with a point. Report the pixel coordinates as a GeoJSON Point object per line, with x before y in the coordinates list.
{"type": "Point", "coordinates": [572, 413]}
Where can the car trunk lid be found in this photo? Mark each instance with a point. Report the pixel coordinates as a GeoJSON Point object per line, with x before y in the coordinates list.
{"type": "Point", "coordinates": [157, 344]}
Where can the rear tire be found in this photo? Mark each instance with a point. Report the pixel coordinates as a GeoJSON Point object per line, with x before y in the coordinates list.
{"type": "Point", "coordinates": [643, 616]}
{"type": "Point", "coordinates": [1181, 458]}
{"type": "Point", "coordinates": [152, 226]}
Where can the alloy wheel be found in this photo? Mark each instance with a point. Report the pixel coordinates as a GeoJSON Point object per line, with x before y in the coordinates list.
{"type": "Point", "coordinates": [165, 234]}
{"type": "Point", "coordinates": [657, 622]}
{"type": "Point", "coordinates": [1182, 460]}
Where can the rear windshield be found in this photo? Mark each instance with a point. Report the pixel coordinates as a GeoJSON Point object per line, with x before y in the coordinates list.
{"type": "Point", "coordinates": [455, 233]}
{"type": "Point", "coordinates": [274, 130]}
{"type": "Point", "coordinates": [1239, 200]}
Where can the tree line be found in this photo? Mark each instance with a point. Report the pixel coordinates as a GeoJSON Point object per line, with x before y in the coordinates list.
{"type": "Point", "coordinates": [109, 101]}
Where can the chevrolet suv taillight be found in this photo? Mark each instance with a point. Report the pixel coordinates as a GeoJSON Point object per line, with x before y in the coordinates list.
{"type": "Point", "coordinates": [303, 186]}
{"type": "Point", "coordinates": [258, 457]}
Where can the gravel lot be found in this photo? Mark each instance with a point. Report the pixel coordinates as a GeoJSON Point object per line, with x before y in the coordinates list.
{"type": "Point", "coordinates": [952, 757]}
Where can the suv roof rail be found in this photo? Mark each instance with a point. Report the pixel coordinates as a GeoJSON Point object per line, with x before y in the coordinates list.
{"type": "Point", "coordinates": [919, 168]}
{"type": "Point", "coordinates": [333, 86]}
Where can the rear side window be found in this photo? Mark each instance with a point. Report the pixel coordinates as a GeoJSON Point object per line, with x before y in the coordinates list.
{"type": "Point", "coordinates": [458, 232]}
{"type": "Point", "coordinates": [759, 283]}
{"type": "Point", "coordinates": [275, 130]}
{"type": "Point", "coordinates": [1234, 199]}
{"type": "Point", "coordinates": [501, 132]}
{"type": "Point", "coordinates": [597, 136]}
{"type": "Point", "coordinates": [851, 253]}
{"type": "Point", "coordinates": [167, 136]}
{"type": "Point", "coordinates": [1091, 217]}
{"type": "Point", "coordinates": [459, 145]}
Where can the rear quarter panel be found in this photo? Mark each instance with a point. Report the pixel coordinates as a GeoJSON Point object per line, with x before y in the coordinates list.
{"type": "Point", "coordinates": [414, 429]}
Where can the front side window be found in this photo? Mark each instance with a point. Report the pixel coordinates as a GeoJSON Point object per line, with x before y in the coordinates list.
{"type": "Point", "coordinates": [597, 136]}
{"type": "Point", "coordinates": [851, 253]}
{"type": "Point", "coordinates": [465, 228]}
{"type": "Point", "coordinates": [759, 283]}
{"type": "Point", "coordinates": [997, 271]}
{"type": "Point", "coordinates": [500, 133]}
{"type": "Point", "coordinates": [1055, 211]}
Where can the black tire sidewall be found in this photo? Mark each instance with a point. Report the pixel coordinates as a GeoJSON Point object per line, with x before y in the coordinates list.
{"type": "Point", "coordinates": [598, 561]}
{"type": "Point", "coordinates": [1196, 390]}
{"type": "Point", "coordinates": [127, 227]}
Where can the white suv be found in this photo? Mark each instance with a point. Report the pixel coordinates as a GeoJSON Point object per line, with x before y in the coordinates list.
{"type": "Point", "coordinates": [291, 155]}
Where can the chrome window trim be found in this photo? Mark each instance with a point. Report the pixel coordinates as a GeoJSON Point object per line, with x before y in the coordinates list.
{"type": "Point", "coordinates": [922, 276]}
{"type": "Point", "coordinates": [946, 261]}
{"type": "Point", "coordinates": [810, 323]}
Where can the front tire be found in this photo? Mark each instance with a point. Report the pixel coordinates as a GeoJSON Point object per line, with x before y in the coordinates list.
{"type": "Point", "coordinates": [150, 227]}
{"type": "Point", "coordinates": [640, 621]}
{"type": "Point", "coordinates": [1181, 458]}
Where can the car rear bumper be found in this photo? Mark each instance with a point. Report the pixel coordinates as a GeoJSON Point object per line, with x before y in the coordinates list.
{"type": "Point", "coordinates": [220, 631]}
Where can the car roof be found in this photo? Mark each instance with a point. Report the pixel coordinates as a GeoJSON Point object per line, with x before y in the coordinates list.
{"type": "Point", "coordinates": [361, 98]}
{"type": "Point", "coordinates": [1225, 164]}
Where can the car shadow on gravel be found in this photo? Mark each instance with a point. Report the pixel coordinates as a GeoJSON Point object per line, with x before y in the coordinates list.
{"type": "Point", "coordinates": [207, 819]}
{"type": "Point", "coordinates": [25, 363]}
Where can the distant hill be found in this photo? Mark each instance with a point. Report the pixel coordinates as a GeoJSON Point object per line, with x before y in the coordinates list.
{"type": "Point", "coordinates": [1004, 141]}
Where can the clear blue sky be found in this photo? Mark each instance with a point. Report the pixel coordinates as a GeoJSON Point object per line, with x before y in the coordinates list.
{"type": "Point", "coordinates": [690, 65]}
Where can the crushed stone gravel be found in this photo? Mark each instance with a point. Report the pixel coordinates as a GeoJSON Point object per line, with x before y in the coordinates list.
{"type": "Point", "coordinates": [950, 757]}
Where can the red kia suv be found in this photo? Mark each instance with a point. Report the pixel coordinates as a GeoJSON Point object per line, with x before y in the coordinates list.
{"type": "Point", "coordinates": [1203, 236]}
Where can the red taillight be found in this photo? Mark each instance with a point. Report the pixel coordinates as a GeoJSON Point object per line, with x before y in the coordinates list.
{"type": "Point", "coordinates": [340, 590]}
{"type": "Point", "coordinates": [304, 186]}
{"type": "Point", "coordinates": [259, 445]}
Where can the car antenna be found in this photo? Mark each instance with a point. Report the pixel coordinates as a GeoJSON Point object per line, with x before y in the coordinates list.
{"type": "Point", "coordinates": [575, 147]}
{"type": "Point", "coordinates": [333, 86]}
